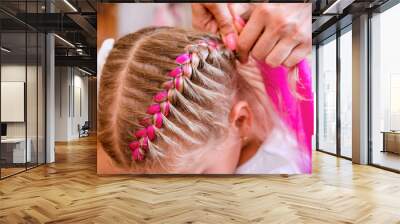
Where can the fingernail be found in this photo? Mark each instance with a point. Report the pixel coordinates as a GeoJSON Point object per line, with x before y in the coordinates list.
{"type": "Point", "coordinates": [240, 21]}
{"type": "Point", "coordinates": [230, 41]}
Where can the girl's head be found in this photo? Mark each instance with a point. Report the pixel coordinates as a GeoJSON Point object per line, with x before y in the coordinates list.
{"type": "Point", "coordinates": [201, 119]}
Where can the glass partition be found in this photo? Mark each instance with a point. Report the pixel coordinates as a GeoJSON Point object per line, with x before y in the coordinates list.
{"type": "Point", "coordinates": [31, 99]}
{"type": "Point", "coordinates": [13, 103]}
{"type": "Point", "coordinates": [41, 110]}
{"type": "Point", "coordinates": [22, 89]}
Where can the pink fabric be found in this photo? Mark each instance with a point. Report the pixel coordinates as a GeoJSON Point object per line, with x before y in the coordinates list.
{"type": "Point", "coordinates": [154, 108]}
{"type": "Point", "coordinates": [158, 120]}
{"type": "Point", "coordinates": [141, 133]}
{"type": "Point", "coordinates": [151, 132]}
{"type": "Point", "coordinates": [160, 96]}
{"type": "Point", "coordinates": [183, 58]}
{"type": "Point", "coordinates": [175, 73]}
{"type": "Point", "coordinates": [134, 145]}
{"type": "Point", "coordinates": [297, 112]}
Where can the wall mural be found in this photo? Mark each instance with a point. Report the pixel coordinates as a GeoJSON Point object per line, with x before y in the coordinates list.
{"type": "Point", "coordinates": [179, 99]}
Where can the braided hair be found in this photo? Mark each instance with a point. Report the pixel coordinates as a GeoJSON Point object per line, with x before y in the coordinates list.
{"type": "Point", "coordinates": [152, 110]}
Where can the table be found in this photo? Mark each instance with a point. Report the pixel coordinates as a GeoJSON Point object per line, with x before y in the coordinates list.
{"type": "Point", "coordinates": [13, 150]}
{"type": "Point", "coordinates": [391, 141]}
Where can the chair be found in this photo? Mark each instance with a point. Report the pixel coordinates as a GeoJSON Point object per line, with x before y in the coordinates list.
{"type": "Point", "coordinates": [84, 130]}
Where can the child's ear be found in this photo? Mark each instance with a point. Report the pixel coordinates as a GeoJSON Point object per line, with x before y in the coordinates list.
{"type": "Point", "coordinates": [241, 117]}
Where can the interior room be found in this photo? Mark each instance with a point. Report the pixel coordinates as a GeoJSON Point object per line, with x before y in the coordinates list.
{"type": "Point", "coordinates": [334, 86]}
{"type": "Point", "coordinates": [22, 102]}
{"type": "Point", "coordinates": [25, 69]}
{"type": "Point", "coordinates": [49, 99]}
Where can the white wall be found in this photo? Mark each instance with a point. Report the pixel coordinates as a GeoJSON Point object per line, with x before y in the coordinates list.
{"type": "Point", "coordinates": [71, 94]}
{"type": "Point", "coordinates": [12, 73]}
{"type": "Point", "coordinates": [132, 17]}
{"type": "Point", "coordinates": [62, 81]}
{"type": "Point", "coordinates": [80, 103]}
{"type": "Point", "coordinates": [12, 100]}
{"type": "Point", "coordinates": [33, 127]}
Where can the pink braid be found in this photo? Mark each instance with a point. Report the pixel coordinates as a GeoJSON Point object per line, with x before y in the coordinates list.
{"type": "Point", "coordinates": [161, 104]}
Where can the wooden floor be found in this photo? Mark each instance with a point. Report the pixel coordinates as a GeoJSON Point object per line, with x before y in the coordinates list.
{"type": "Point", "coordinates": [387, 159]}
{"type": "Point", "coordinates": [69, 191]}
{"type": "Point", "coordinates": [10, 171]}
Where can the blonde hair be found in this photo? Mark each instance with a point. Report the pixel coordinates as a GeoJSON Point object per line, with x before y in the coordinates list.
{"type": "Point", "coordinates": [135, 71]}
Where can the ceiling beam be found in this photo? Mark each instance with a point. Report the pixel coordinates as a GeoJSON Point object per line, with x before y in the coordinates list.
{"type": "Point", "coordinates": [337, 7]}
{"type": "Point", "coordinates": [78, 61]}
{"type": "Point", "coordinates": [84, 24]}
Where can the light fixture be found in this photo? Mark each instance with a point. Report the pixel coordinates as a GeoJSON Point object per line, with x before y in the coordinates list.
{"type": "Point", "coordinates": [337, 7]}
{"type": "Point", "coordinates": [84, 71]}
{"type": "Point", "coordinates": [65, 41]}
{"type": "Point", "coordinates": [5, 50]}
{"type": "Point", "coordinates": [70, 5]}
{"type": "Point", "coordinates": [80, 51]}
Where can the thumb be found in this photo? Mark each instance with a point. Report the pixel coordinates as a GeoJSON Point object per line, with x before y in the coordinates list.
{"type": "Point", "coordinates": [225, 23]}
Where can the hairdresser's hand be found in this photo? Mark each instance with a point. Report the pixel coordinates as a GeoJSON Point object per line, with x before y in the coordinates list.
{"type": "Point", "coordinates": [215, 18]}
{"type": "Point", "coordinates": [279, 34]}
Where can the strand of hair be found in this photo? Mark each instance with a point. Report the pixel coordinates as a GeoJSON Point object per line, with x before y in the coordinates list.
{"type": "Point", "coordinates": [179, 131]}
{"type": "Point", "coordinates": [204, 80]}
{"type": "Point", "coordinates": [185, 121]}
{"type": "Point", "coordinates": [207, 96]}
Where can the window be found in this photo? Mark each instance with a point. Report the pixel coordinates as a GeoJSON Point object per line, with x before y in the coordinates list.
{"type": "Point", "coordinates": [314, 88]}
{"type": "Point", "coordinates": [327, 96]}
{"type": "Point", "coordinates": [346, 93]}
{"type": "Point", "coordinates": [385, 89]}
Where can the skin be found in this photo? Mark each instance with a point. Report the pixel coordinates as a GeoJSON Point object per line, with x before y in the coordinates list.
{"type": "Point", "coordinates": [278, 33]}
{"type": "Point", "coordinates": [214, 18]}
{"type": "Point", "coordinates": [240, 145]}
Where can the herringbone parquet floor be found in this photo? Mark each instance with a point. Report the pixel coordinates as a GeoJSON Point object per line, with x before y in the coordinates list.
{"type": "Point", "coordinates": [69, 191]}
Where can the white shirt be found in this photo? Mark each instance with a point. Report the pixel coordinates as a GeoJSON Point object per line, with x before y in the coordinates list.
{"type": "Point", "coordinates": [279, 154]}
